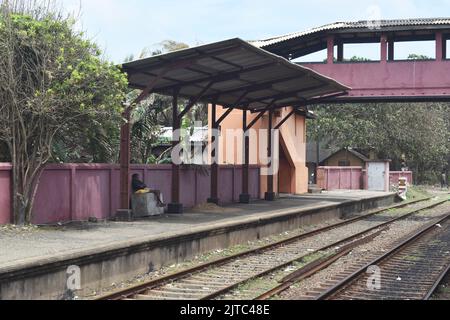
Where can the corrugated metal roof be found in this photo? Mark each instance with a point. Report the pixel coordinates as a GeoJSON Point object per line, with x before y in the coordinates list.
{"type": "Point", "coordinates": [365, 24]}
{"type": "Point", "coordinates": [225, 70]}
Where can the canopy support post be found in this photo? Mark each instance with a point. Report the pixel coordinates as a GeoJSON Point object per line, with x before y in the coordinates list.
{"type": "Point", "coordinates": [214, 158]}
{"type": "Point", "coordinates": [125, 155]}
{"type": "Point", "coordinates": [175, 207]}
{"type": "Point", "coordinates": [245, 196]}
{"type": "Point", "coordinates": [270, 194]}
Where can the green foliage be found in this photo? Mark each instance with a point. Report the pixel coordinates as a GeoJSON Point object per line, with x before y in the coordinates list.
{"type": "Point", "coordinates": [155, 112]}
{"type": "Point", "coordinates": [414, 56]}
{"type": "Point", "coordinates": [358, 59]}
{"type": "Point", "coordinates": [59, 100]}
{"type": "Point", "coordinates": [420, 133]}
{"type": "Point", "coordinates": [75, 76]}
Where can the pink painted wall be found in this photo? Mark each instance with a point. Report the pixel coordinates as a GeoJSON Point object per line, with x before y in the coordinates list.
{"type": "Point", "coordinates": [394, 177]}
{"type": "Point", "coordinates": [5, 193]}
{"type": "Point", "coordinates": [73, 192]}
{"type": "Point", "coordinates": [393, 78]}
{"type": "Point", "coordinates": [353, 178]}
{"type": "Point", "coordinates": [340, 178]}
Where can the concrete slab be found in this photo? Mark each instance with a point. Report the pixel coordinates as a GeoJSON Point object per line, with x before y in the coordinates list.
{"type": "Point", "coordinates": [112, 251]}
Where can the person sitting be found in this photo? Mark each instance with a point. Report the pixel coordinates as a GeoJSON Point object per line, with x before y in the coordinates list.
{"type": "Point", "coordinates": [140, 187]}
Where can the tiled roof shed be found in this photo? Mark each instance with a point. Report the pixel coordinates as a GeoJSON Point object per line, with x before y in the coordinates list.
{"type": "Point", "coordinates": [298, 44]}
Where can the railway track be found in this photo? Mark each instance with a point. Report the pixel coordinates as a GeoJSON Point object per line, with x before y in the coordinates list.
{"type": "Point", "coordinates": [412, 270]}
{"type": "Point", "coordinates": [442, 290]}
{"type": "Point", "coordinates": [214, 279]}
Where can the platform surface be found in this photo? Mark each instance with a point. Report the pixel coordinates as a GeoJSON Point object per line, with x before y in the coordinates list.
{"type": "Point", "coordinates": [20, 246]}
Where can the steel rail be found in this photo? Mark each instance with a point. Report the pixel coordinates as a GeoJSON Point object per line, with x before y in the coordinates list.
{"type": "Point", "coordinates": [412, 239]}
{"type": "Point", "coordinates": [436, 284]}
{"type": "Point", "coordinates": [123, 294]}
{"type": "Point", "coordinates": [323, 263]}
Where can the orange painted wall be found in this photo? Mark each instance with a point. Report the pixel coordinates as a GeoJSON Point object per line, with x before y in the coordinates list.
{"type": "Point", "coordinates": [292, 141]}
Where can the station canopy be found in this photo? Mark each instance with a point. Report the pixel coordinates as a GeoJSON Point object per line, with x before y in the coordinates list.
{"type": "Point", "coordinates": [231, 73]}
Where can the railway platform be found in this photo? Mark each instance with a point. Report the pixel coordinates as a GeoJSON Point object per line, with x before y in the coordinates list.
{"type": "Point", "coordinates": [34, 263]}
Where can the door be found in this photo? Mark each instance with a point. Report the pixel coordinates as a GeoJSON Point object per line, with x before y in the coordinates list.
{"type": "Point", "coordinates": [376, 176]}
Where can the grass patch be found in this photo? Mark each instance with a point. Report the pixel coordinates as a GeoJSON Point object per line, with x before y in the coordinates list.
{"type": "Point", "coordinates": [417, 193]}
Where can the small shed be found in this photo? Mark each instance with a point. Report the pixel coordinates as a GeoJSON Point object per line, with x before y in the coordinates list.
{"type": "Point", "coordinates": [346, 157]}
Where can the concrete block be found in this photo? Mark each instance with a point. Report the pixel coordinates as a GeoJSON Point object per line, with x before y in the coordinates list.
{"type": "Point", "coordinates": [145, 205]}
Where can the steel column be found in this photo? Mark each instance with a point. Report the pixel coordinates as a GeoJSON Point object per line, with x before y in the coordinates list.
{"type": "Point", "coordinates": [175, 207]}
{"type": "Point", "coordinates": [214, 158]}
{"type": "Point", "coordinates": [245, 196]}
{"type": "Point", "coordinates": [270, 194]}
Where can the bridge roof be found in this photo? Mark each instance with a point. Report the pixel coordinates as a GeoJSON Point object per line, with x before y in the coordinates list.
{"type": "Point", "coordinates": [305, 42]}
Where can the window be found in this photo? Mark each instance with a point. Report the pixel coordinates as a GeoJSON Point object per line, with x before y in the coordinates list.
{"type": "Point", "coordinates": [360, 52]}
{"type": "Point", "coordinates": [344, 163]}
{"type": "Point", "coordinates": [319, 56]}
{"type": "Point", "coordinates": [415, 50]}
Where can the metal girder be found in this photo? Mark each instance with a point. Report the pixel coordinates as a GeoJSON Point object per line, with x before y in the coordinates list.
{"type": "Point", "coordinates": [259, 116]}
{"type": "Point", "coordinates": [226, 76]}
{"type": "Point", "coordinates": [192, 102]}
{"type": "Point", "coordinates": [279, 125]}
{"type": "Point", "coordinates": [223, 117]}
{"type": "Point", "coordinates": [261, 86]}
{"type": "Point", "coordinates": [285, 95]}
{"type": "Point", "coordinates": [145, 92]}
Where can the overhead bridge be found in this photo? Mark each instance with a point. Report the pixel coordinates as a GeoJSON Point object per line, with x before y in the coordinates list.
{"type": "Point", "coordinates": [387, 79]}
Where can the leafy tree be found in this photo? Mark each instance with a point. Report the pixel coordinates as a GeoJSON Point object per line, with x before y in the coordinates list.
{"type": "Point", "coordinates": [155, 112]}
{"type": "Point", "coordinates": [414, 56]}
{"type": "Point", "coordinates": [53, 87]}
{"type": "Point", "coordinates": [418, 132]}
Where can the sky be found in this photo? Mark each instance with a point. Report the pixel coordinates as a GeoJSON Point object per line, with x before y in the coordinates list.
{"type": "Point", "coordinates": [124, 27]}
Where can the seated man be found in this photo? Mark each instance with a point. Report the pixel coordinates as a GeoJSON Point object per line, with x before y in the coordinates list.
{"type": "Point", "coordinates": [140, 187]}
